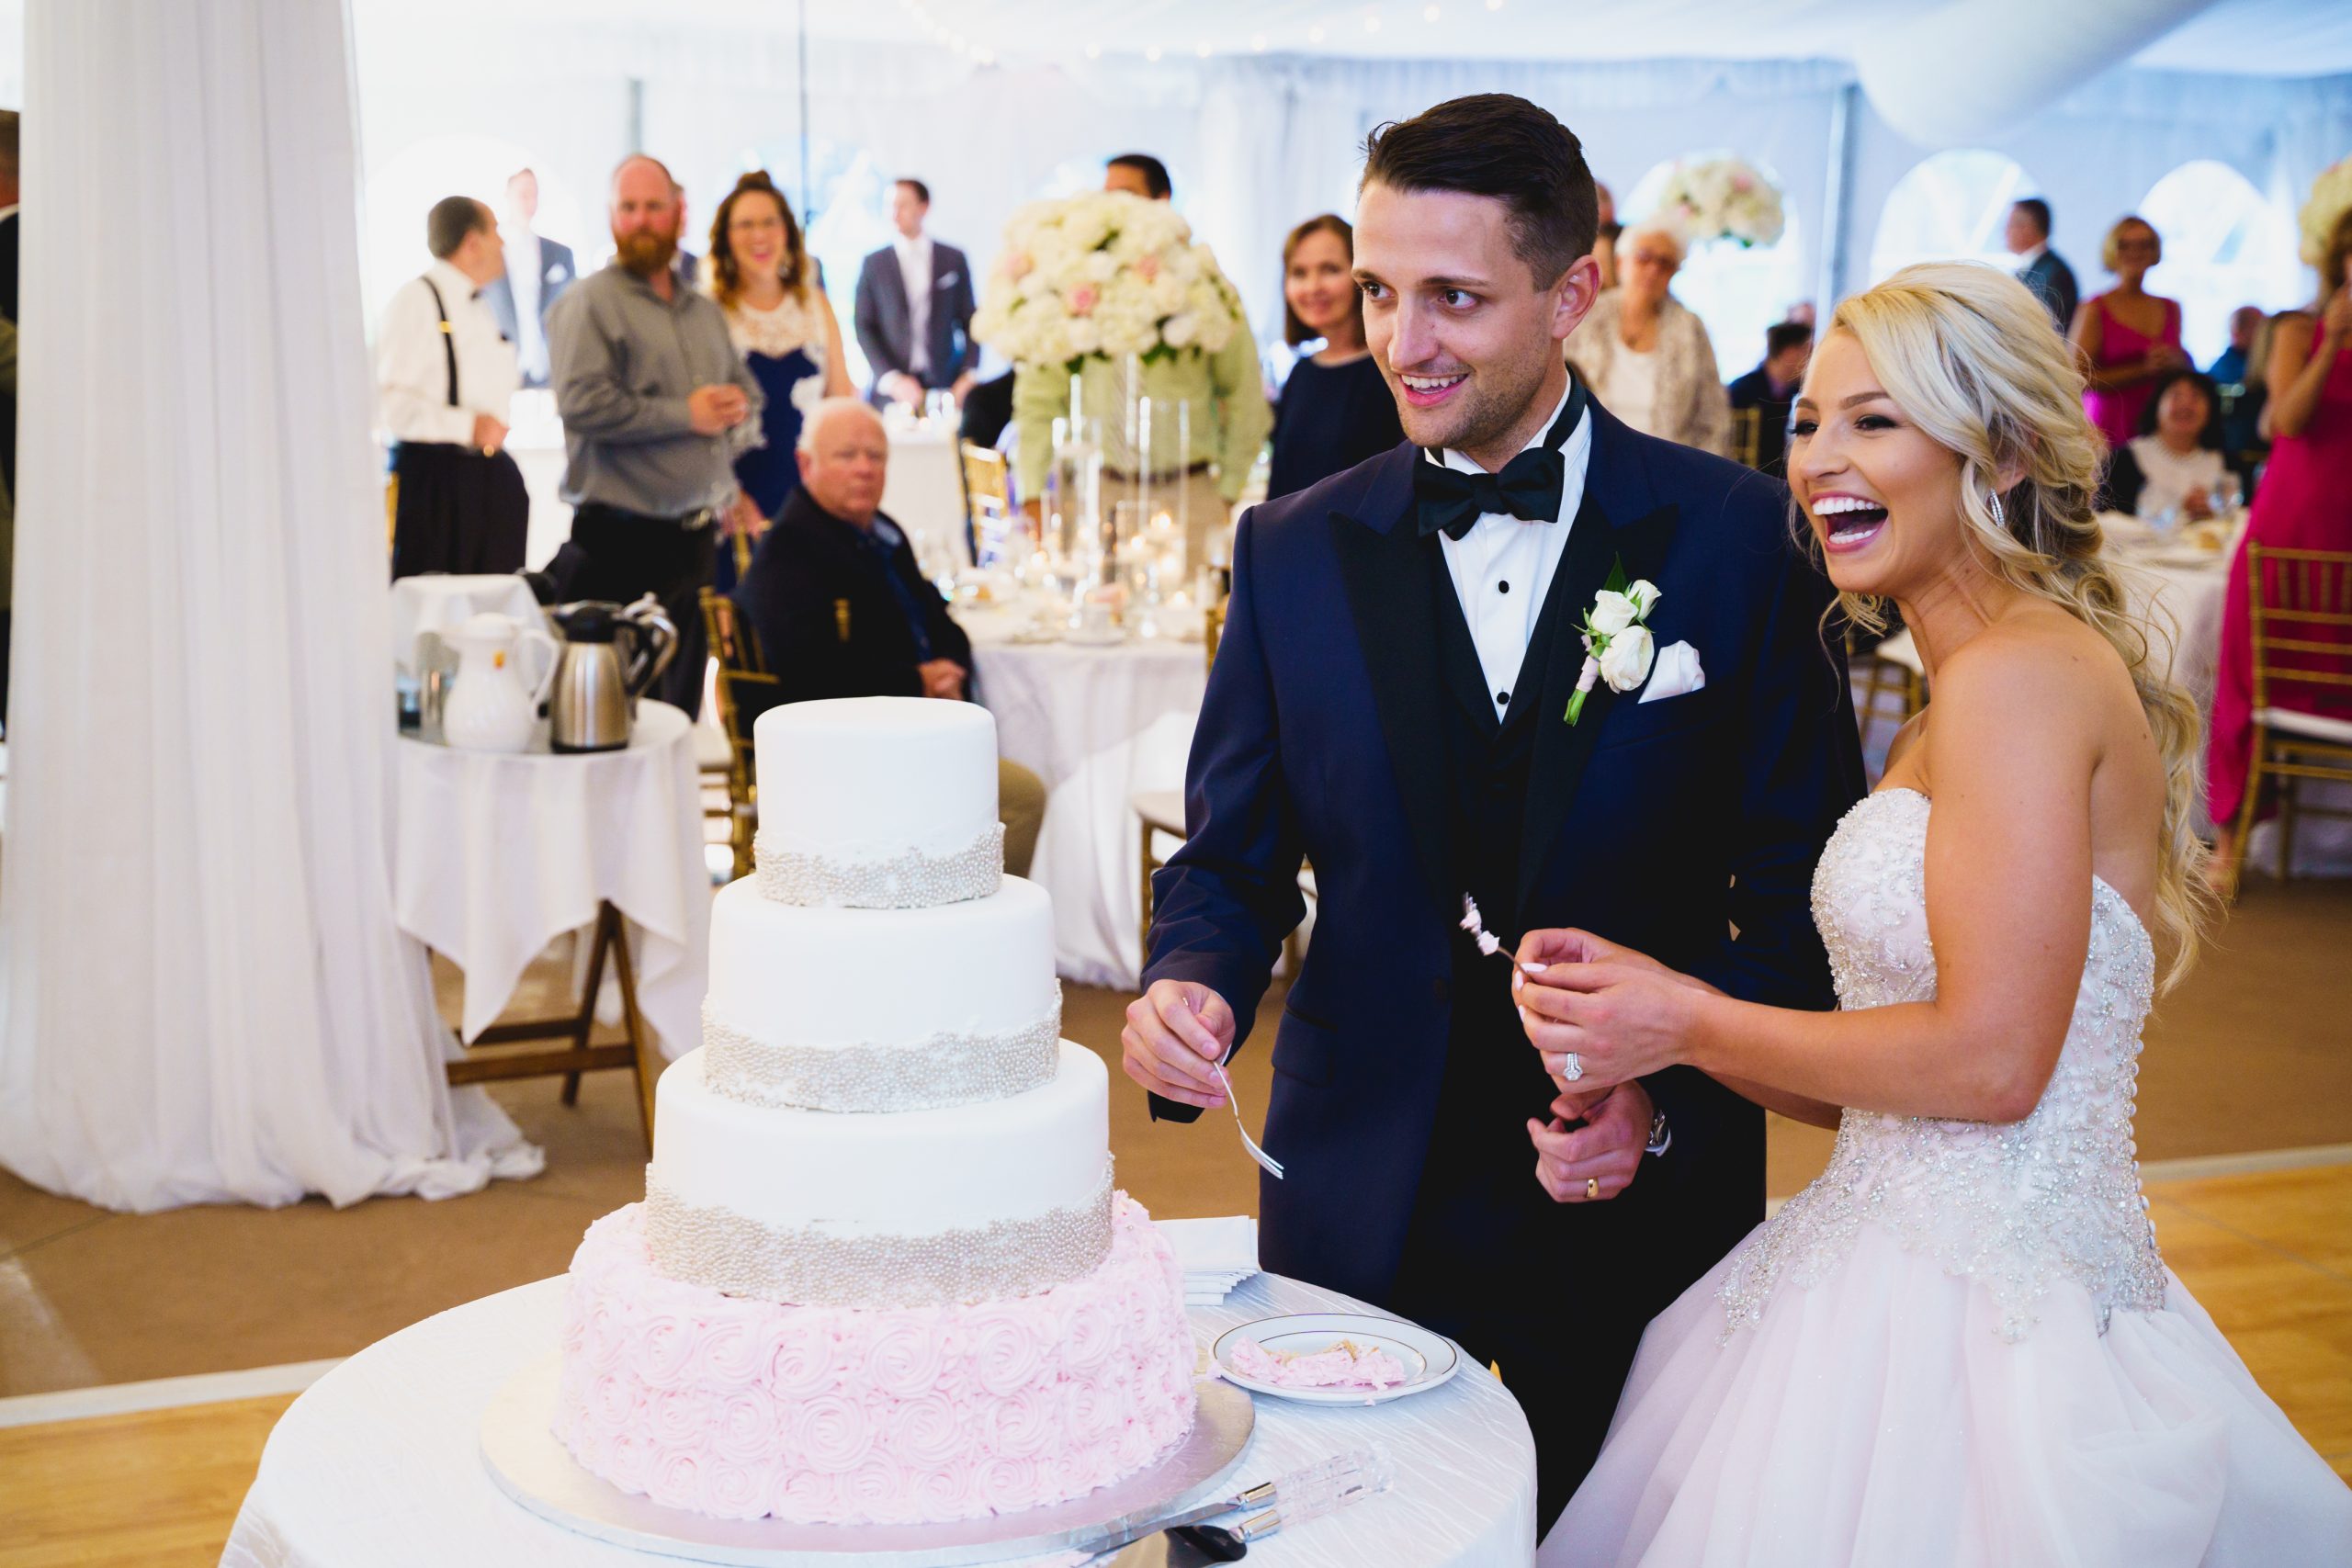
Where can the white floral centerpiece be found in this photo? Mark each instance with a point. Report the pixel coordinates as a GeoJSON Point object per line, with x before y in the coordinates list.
{"type": "Point", "coordinates": [1105, 275]}
{"type": "Point", "coordinates": [1720, 198]}
{"type": "Point", "coordinates": [2331, 193]}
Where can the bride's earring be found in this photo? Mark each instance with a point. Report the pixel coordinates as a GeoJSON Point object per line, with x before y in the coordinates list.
{"type": "Point", "coordinates": [2000, 517]}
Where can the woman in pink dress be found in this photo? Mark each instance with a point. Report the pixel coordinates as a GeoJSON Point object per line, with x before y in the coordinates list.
{"type": "Point", "coordinates": [2127, 336]}
{"type": "Point", "coordinates": [2304, 503]}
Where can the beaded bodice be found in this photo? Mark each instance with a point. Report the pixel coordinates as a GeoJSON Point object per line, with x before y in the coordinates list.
{"type": "Point", "coordinates": [2015, 1207]}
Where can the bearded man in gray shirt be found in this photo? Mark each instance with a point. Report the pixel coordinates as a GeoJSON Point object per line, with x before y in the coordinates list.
{"type": "Point", "coordinates": [656, 404]}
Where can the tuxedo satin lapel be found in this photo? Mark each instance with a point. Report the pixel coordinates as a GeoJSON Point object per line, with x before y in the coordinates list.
{"type": "Point", "coordinates": [1613, 484]}
{"type": "Point", "coordinates": [1387, 576]}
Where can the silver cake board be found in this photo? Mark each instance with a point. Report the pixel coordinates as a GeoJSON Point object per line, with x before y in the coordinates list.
{"type": "Point", "coordinates": [533, 1467]}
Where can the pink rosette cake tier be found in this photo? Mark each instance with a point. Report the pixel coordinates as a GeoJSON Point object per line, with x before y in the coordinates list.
{"type": "Point", "coordinates": [740, 1408]}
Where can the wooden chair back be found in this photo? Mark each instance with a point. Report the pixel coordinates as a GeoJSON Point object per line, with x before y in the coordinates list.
{"type": "Point", "coordinates": [2300, 618]}
{"type": "Point", "coordinates": [1748, 437]}
{"type": "Point", "coordinates": [736, 646]}
{"type": "Point", "coordinates": [1212, 633]}
{"type": "Point", "coordinates": [987, 496]}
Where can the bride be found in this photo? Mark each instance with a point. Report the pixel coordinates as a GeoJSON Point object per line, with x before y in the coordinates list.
{"type": "Point", "coordinates": [1960, 1346]}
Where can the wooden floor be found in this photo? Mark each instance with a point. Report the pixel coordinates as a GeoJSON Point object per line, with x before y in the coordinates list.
{"type": "Point", "coordinates": [2268, 1254]}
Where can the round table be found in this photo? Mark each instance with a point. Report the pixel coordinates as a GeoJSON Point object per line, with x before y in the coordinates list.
{"type": "Point", "coordinates": [496, 854]}
{"type": "Point", "coordinates": [1098, 725]}
{"type": "Point", "coordinates": [379, 1462]}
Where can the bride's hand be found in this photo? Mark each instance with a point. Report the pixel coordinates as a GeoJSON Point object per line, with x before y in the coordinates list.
{"type": "Point", "coordinates": [1569, 945]}
{"type": "Point", "coordinates": [1624, 1019]}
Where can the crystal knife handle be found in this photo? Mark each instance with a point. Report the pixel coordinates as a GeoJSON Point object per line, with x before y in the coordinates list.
{"type": "Point", "coordinates": [1321, 1489]}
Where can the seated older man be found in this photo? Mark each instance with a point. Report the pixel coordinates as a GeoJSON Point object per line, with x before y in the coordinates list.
{"type": "Point", "coordinates": [841, 610]}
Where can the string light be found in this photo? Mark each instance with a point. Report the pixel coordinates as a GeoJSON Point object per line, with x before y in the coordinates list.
{"type": "Point", "coordinates": [1430, 13]}
{"type": "Point", "coordinates": [1151, 52]}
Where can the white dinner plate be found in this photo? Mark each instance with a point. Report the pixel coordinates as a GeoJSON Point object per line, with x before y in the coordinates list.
{"type": "Point", "coordinates": [1429, 1359]}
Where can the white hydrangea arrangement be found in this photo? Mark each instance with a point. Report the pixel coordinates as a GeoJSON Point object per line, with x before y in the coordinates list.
{"type": "Point", "coordinates": [1107, 274]}
{"type": "Point", "coordinates": [2331, 193]}
{"type": "Point", "coordinates": [1720, 198]}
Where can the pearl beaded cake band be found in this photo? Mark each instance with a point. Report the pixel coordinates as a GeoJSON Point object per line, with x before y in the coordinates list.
{"type": "Point", "coordinates": [733, 1253]}
{"type": "Point", "coordinates": [914, 880]}
{"type": "Point", "coordinates": [943, 1070]}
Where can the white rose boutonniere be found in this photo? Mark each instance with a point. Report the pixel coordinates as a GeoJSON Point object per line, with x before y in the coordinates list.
{"type": "Point", "coordinates": [1618, 647]}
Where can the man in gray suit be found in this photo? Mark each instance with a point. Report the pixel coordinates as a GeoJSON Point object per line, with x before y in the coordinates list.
{"type": "Point", "coordinates": [537, 270]}
{"type": "Point", "coordinates": [2042, 269]}
{"type": "Point", "coordinates": [914, 308]}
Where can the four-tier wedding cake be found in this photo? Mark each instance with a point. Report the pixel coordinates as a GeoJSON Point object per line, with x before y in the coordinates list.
{"type": "Point", "coordinates": [881, 1274]}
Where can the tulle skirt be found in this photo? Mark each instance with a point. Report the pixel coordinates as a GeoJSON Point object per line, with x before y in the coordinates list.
{"type": "Point", "coordinates": [1879, 1418]}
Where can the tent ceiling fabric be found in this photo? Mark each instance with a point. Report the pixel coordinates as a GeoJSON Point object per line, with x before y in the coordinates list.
{"type": "Point", "coordinates": [1950, 77]}
{"type": "Point", "coordinates": [2270, 37]}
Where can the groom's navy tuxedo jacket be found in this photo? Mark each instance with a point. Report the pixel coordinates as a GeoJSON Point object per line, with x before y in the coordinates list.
{"type": "Point", "coordinates": [1687, 828]}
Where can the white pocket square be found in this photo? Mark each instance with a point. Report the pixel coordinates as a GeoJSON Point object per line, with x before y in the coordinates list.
{"type": "Point", "coordinates": [948, 280]}
{"type": "Point", "coordinates": [1676, 674]}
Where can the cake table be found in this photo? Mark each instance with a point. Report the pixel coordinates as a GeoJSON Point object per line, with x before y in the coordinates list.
{"type": "Point", "coordinates": [379, 1462]}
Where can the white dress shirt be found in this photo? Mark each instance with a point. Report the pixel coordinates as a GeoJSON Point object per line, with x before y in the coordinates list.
{"type": "Point", "coordinates": [914, 268]}
{"type": "Point", "coordinates": [524, 264]}
{"type": "Point", "coordinates": [1502, 567]}
{"type": "Point", "coordinates": [412, 369]}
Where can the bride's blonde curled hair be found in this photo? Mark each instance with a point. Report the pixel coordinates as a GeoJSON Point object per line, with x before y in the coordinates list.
{"type": "Point", "coordinates": [1970, 355]}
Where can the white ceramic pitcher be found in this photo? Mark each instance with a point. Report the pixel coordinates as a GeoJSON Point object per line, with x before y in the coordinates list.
{"type": "Point", "coordinates": [489, 708]}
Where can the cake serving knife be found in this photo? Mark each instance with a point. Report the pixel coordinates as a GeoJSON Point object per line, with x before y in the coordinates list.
{"type": "Point", "coordinates": [1292, 1499]}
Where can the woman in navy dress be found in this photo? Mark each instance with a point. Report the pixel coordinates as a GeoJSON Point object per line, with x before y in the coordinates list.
{"type": "Point", "coordinates": [1336, 409]}
{"type": "Point", "coordinates": [784, 327]}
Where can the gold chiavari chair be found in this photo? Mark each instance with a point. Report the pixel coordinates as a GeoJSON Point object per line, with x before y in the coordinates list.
{"type": "Point", "coordinates": [736, 649]}
{"type": "Point", "coordinates": [987, 496]}
{"type": "Point", "coordinates": [1748, 437]}
{"type": "Point", "coordinates": [1890, 684]}
{"type": "Point", "coordinates": [2300, 605]}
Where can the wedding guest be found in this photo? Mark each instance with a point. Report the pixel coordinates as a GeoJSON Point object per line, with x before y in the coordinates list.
{"type": "Point", "coordinates": [1226, 392]}
{"type": "Point", "coordinates": [1336, 410]}
{"type": "Point", "coordinates": [914, 308]}
{"type": "Point", "coordinates": [2299, 506]}
{"type": "Point", "coordinates": [2041, 268]}
{"type": "Point", "coordinates": [1647, 358]}
{"type": "Point", "coordinates": [2238, 374]}
{"type": "Point", "coordinates": [2174, 462]}
{"type": "Point", "coordinates": [444, 376]}
{"type": "Point", "coordinates": [656, 404]}
{"type": "Point", "coordinates": [1771, 387]}
{"type": "Point", "coordinates": [537, 271]}
{"type": "Point", "coordinates": [2127, 336]}
{"type": "Point", "coordinates": [841, 609]}
{"type": "Point", "coordinates": [783, 325]}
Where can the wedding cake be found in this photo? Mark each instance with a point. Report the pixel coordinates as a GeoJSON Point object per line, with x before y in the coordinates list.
{"type": "Point", "coordinates": [881, 1274]}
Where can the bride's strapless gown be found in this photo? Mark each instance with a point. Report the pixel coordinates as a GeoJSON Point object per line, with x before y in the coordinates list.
{"type": "Point", "coordinates": [1960, 1346]}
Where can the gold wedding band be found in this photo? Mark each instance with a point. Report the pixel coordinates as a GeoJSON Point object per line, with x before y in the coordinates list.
{"type": "Point", "coordinates": [1592, 1187]}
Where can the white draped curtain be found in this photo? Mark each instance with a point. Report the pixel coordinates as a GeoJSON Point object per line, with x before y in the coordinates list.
{"type": "Point", "coordinates": [202, 994]}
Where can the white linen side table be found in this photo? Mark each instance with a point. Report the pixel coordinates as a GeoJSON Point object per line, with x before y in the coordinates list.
{"type": "Point", "coordinates": [496, 854]}
{"type": "Point", "coordinates": [379, 1464]}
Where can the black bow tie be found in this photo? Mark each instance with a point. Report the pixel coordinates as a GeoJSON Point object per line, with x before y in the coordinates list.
{"type": "Point", "coordinates": [1452, 502]}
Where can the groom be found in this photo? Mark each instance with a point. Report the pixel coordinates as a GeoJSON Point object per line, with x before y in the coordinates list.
{"type": "Point", "coordinates": [1390, 701]}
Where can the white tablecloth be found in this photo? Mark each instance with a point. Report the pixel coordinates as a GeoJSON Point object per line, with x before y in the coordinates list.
{"type": "Point", "coordinates": [379, 1465]}
{"type": "Point", "coordinates": [495, 856]}
{"type": "Point", "coordinates": [1098, 725]}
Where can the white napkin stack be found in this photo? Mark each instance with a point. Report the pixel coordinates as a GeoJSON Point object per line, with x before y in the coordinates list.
{"type": "Point", "coordinates": [1217, 1255]}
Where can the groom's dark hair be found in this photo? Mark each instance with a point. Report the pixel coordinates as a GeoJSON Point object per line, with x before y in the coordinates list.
{"type": "Point", "coordinates": [1496, 144]}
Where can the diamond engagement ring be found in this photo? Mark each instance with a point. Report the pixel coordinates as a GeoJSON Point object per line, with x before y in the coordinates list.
{"type": "Point", "coordinates": [1570, 1068]}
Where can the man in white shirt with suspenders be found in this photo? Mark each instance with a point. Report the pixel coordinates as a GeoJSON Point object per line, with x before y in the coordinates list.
{"type": "Point", "coordinates": [444, 378]}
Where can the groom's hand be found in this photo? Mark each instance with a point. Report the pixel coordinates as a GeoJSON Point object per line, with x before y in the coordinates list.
{"type": "Point", "coordinates": [1606, 1152]}
{"type": "Point", "coordinates": [1175, 1033]}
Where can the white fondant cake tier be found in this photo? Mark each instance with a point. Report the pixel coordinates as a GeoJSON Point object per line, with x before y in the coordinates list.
{"type": "Point", "coordinates": [735, 1179]}
{"type": "Point", "coordinates": [876, 782]}
{"type": "Point", "coordinates": [807, 1006]}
